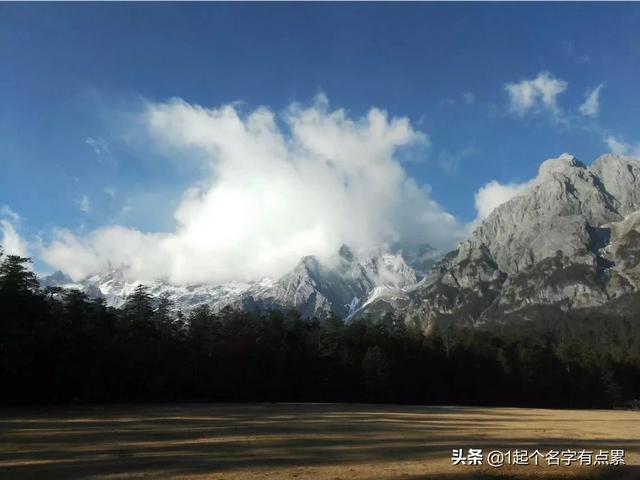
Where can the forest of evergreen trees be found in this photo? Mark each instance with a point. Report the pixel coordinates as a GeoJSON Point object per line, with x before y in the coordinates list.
{"type": "Point", "coordinates": [60, 346]}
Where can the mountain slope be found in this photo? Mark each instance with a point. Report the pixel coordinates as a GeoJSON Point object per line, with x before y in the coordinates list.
{"type": "Point", "coordinates": [570, 240]}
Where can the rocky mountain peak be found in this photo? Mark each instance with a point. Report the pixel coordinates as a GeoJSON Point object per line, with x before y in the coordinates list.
{"type": "Point", "coordinates": [345, 252]}
{"type": "Point", "coordinates": [55, 279]}
{"type": "Point", "coordinates": [563, 164]}
{"type": "Point", "coordinates": [572, 239]}
{"type": "Point", "coordinates": [552, 215]}
{"type": "Point", "coordinates": [307, 263]}
{"type": "Point", "coordinates": [316, 286]}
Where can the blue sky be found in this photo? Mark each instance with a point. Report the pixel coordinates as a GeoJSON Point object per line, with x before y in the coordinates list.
{"type": "Point", "coordinates": [74, 77]}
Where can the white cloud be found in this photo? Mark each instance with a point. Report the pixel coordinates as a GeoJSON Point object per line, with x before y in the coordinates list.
{"type": "Point", "coordinates": [494, 194]}
{"type": "Point", "coordinates": [619, 146]}
{"type": "Point", "coordinates": [536, 95]}
{"type": "Point", "coordinates": [591, 105]}
{"type": "Point", "coordinates": [279, 189]}
{"type": "Point", "coordinates": [84, 204]}
{"type": "Point", "coordinates": [11, 241]}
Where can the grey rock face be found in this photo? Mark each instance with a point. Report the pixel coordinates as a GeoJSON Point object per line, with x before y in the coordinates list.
{"type": "Point", "coordinates": [623, 250]}
{"type": "Point", "coordinates": [551, 215]}
{"type": "Point", "coordinates": [620, 176]}
{"type": "Point", "coordinates": [55, 279]}
{"type": "Point", "coordinates": [338, 286]}
{"type": "Point", "coordinates": [571, 239]}
{"type": "Point", "coordinates": [315, 289]}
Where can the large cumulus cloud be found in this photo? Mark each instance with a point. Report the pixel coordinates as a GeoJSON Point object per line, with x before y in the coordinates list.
{"type": "Point", "coordinates": [280, 186]}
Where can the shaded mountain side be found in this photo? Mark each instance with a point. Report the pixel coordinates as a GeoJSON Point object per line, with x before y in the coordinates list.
{"type": "Point", "coordinates": [626, 306]}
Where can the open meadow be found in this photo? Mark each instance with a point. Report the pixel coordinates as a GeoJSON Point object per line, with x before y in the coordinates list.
{"type": "Point", "coordinates": [302, 441]}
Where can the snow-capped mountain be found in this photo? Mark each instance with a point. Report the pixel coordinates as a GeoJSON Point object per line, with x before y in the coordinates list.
{"type": "Point", "coordinates": [113, 287]}
{"type": "Point", "coordinates": [570, 240]}
{"type": "Point", "coordinates": [338, 285]}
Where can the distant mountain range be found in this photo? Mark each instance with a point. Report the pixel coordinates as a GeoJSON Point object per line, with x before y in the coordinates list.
{"type": "Point", "coordinates": [570, 240]}
{"type": "Point", "coordinates": [340, 285]}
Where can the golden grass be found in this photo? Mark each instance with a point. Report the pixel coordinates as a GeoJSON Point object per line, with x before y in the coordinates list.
{"type": "Point", "coordinates": [301, 441]}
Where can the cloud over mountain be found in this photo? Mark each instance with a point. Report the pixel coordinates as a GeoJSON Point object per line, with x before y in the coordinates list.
{"type": "Point", "coordinates": [280, 186]}
{"type": "Point", "coordinates": [494, 194]}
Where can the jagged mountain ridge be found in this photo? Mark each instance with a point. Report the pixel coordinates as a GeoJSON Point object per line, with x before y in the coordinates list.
{"type": "Point", "coordinates": [338, 285]}
{"type": "Point", "coordinates": [571, 239]}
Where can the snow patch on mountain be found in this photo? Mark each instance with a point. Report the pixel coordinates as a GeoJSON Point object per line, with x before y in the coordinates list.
{"type": "Point", "coordinates": [339, 285]}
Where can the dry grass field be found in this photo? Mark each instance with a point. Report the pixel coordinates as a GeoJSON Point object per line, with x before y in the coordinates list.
{"type": "Point", "coordinates": [301, 441]}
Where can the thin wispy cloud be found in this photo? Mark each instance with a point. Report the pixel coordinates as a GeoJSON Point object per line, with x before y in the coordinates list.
{"type": "Point", "coordinates": [450, 161]}
{"type": "Point", "coordinates": [468, 98]}
{"type": "Point", "coordinates": [84, 204]}
{"type": "Point", "coordinates": [619, 146]}
{"type": "Point", "coordinates": [570, 50]}
{"type": "Point", "coordinates": [591, 105]}
{"type": "Point", "coordinates": [99, 146]}
{"type": "Point", "coordinates": [5, 211]}
{"type": "Point", "coordinates": [465, 98]}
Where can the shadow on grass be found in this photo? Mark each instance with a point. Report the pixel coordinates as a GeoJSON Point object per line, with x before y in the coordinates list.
{"type": "Point", "coordinates": [177, 441]}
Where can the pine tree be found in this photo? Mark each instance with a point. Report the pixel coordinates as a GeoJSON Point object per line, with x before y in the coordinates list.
{"type": "Point", "coordinates": [138, 311]}
{"type": "Point", "coordinates": [16, 278]}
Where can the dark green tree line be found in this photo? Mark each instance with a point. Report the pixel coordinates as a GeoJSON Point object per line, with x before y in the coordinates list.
{"type": "Point", "coordinates": [61, 346]}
